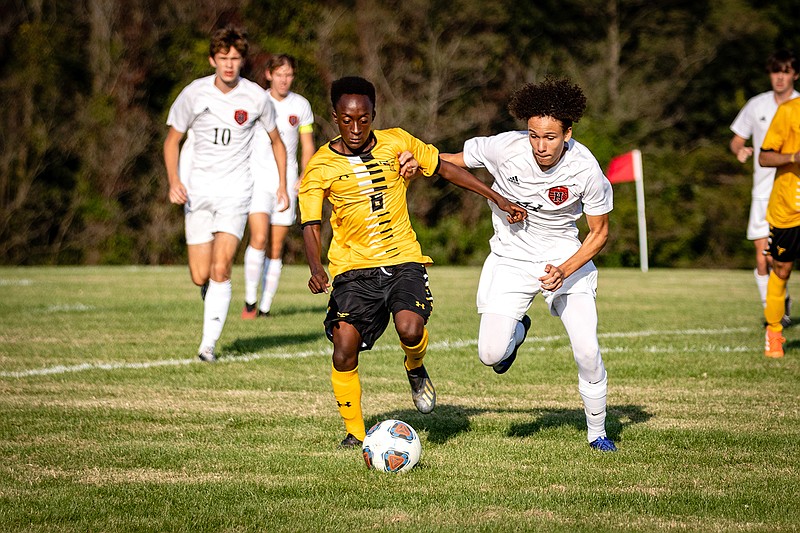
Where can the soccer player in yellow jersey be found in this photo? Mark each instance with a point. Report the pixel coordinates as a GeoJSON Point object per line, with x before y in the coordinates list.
{"type": "Point", "coordinates": [377, 265]}
{"type": "Point", "coordinates": [781, 149]}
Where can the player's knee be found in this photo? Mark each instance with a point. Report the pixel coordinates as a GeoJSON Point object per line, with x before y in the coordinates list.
{"type": "Point", "coordinates": [410, 327]}
{"type": "Point", "coordinates": [220, 272]}
{"type": "Point", "coordinates": [590, 364]}
{"type": "Point", "coordinates": [199, 278]}
{"type": "Point", "coordinates": [411, 334]}
{"type": "Point", "coordinates": [258, 242]}
{"type": "Point", "coordinates": [491, 352]}
{"type": "Point", "coordinates": [344, 360]}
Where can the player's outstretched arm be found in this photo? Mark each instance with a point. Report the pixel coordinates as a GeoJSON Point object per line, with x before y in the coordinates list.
{"type": "Point", "coordinates": [460, 177]}
{"type": "Point", "coordinates": [770, 158]}
{"type": "Point", "coordinates": [313, 243]}
{"type": "Point", "coordinates": [456, 159]}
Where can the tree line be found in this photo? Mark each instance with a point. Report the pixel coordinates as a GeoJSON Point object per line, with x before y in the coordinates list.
{"type": "Point", "coordinates": [87, 85]}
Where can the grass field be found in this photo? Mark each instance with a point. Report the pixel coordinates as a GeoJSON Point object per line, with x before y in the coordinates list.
{"type": "Point", "coordinates": [108, 422]}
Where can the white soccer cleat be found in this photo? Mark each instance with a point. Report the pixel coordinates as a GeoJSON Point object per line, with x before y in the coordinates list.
{"type": "Point", "coordinates": [207, 354]}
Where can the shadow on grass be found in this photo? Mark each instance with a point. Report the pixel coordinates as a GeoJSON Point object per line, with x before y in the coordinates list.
{"type": "Point", "coordinates": [244, 346]}
{"type": "Point", "coordinates": [447, 421]}
{"type": "Point", "coordinates": [617, 418]}
{"type": "Point", "coordinates": [297, 310]}
{"type": "Point", "coordinates": [792, 345]}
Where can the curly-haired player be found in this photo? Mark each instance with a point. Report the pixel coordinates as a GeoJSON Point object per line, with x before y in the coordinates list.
{"type": "Point", "coordinates": [556, 179]}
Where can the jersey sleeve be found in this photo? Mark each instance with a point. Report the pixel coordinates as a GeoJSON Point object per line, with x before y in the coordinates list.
{"type": "Point", "coordinates": [778, 130]}
{"type": "Point", "coordinates": [598, 197]}
{"type": "Point", "coordinates": [306, 117]}
{"type": "Point", "coordinates": [427, 155]}
{"type": "Point", "coordinates": [267, 117]}
{"type": "Point", "coordinates": [180, 114]}
{"type": "Point", "coordinates": [311, 195]}
{"type": "Point", "coordinates": [476, 152]}
{"type": "Point", "coordinates": [743, 123]}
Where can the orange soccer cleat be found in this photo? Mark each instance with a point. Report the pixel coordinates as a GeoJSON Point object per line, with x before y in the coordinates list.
{"type": "Point", "coordinates": [773, 346]}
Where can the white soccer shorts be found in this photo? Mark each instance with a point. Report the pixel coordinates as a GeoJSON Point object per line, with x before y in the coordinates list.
{"type": "Point", "coordinates": [206, 216]}
{"type": "Point", "coordinates": [265, 183]}
{"type": "Point", "coordinates": [757, 226]}
{"type": "Point", "coordinates": [263, 196]}
{"type": "Point", "coordinates": [508, 286]}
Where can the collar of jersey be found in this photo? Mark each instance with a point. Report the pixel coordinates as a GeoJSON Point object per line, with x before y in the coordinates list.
{"type": "Point", "coordinates": [360, 152]}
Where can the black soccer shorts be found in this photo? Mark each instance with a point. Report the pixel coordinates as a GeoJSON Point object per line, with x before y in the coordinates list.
{"type": "Point", "coordinates": [784, 243]}
{"type": "Point", "coordinates": [366, 298]}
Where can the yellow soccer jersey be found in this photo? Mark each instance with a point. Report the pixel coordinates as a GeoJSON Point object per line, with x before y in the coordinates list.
{"type": "Point", "coordinates": [370, 221]}
{"type": "Point", "coordinates": [783, 136]}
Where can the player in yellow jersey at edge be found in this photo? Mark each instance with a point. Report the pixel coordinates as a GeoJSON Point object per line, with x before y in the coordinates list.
{"type": "Point", "coordinates": [374, 258]}
{"type": "Point", "coordinates": [781, 149]}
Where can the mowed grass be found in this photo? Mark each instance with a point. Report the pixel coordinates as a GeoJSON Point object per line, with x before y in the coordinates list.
{"type": "Point", "coordinates": [108, 422]}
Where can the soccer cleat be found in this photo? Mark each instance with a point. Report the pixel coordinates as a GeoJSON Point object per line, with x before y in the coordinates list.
{"type": "Point", "coordinates": [249, 311]}
{"type": "Point", "coordinates": [203, 290]}
{"type": "Point", "coordinates": [422, 391]}
{"type": "Point", "coordinates": [503, 366]}
{"type": "Point", "coordinates": [604, 444]}
{"type": "Point", "coordinates": [786, 321]}
{"type": "Point", "coordinates": [263, 314]}
{"type": "Point", "coordinates": [773, 346]}
{"type": "Point", "coordinates": [207, 354]}
{"type": "Point", "coordinates": [350, 441]}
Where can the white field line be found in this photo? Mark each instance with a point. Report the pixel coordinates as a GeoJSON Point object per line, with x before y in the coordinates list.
{"type": "Point", "coordinates": [441, 345]}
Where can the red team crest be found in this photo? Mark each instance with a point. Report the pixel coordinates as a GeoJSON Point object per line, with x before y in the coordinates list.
{"type": "Point", "coordinates": [293, 120]}
{"type": "Point", "coordinates": [240, 116]}
{"type": "Point", "coordinates": [558, 195]}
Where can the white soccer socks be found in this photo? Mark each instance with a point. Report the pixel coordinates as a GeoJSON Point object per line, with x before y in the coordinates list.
{"type": "Point", "coordinates": [215, 311]}
{"type": "Point", "coordinates": [594, 405]}
{"type": "Point", "coordinates": [761, 283]}
{"type": "Point", "coordinates": [272, 275]}
{"type": "Point", "coordinates": [253, 263]}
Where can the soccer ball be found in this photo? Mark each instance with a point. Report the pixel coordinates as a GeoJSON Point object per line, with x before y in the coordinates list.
{"type": "Point", "coordinates": [391, 446]}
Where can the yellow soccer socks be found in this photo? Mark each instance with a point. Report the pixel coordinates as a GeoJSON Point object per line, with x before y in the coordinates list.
{"type": "Point", "coordinates": [415, 354]}
{"type": "Point", "coordinates": [776, 296]}
{"type": "Point", "coordinates": [347, 390]}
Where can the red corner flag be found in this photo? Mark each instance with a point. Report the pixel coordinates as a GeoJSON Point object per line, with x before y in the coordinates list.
{"type": "Point", "coordinates": [625, 167]}
{"type": "Point", "coordinates": [628, 167]}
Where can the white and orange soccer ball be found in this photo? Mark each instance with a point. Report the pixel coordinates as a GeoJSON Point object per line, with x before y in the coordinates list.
{"type": "Point", "coordinates": [391, 446]}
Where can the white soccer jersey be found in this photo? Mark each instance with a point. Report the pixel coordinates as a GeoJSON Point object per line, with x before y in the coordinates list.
{"type": "Point", "coordinates": [293, 116]}
{"type": "Point", "coordinates": [555, 199]}
{"type": "Point", "coordinates": [753, 121]}
{"type": "Point", "coordinates": [223, 126]}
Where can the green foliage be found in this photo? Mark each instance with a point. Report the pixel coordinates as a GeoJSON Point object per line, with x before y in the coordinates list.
{"type": "Point", "coordinates": [81, 169]}
{"type": "Point", "coordinates": [446, 241]}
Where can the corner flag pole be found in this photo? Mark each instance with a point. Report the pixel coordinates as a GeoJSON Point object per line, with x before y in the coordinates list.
{"type": "Point", "coordinates": [628, 167]}
{"type": "Point", "coordinates": [638, 174]}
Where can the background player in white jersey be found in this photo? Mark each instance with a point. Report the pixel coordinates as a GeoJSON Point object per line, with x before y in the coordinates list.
{"type": "Point", "coordinates": [222, 111]}
{"type": "Point", "coordinates": [296, 126]}
{"type": "Point", "coordinates": [752, 122]}
{"type": "Point", "coordinates": [557, 180]}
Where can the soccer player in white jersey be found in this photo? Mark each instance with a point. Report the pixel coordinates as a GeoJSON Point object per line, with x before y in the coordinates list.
{"type": "Point", "coordinates": [557, 180]}
{"type": "Point", "coordinates": [269, 226]}
{"type": "Point", "coordinates": [223, 110]}
{"type": "Point", "coordinates": [752, 122]}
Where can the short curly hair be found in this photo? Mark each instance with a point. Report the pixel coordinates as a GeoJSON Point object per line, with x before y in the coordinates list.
{"type": "Point", "coordinates": [352, 85]}
{"type": "Point", "coordinates": [554, 97]}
